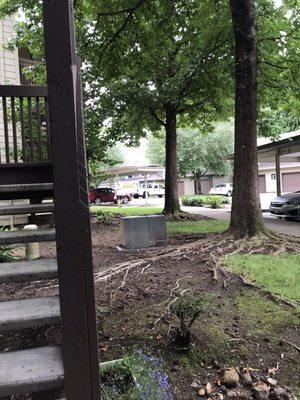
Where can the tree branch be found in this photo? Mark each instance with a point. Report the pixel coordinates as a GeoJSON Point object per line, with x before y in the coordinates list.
{"type": "Point", "coordinates": [130, 12]}
{"type": "Point", "coordinates": [156, 117]}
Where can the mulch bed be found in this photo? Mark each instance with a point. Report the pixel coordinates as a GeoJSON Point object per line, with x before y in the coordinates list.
{"type": "Point", "coordinates": [138, 299]}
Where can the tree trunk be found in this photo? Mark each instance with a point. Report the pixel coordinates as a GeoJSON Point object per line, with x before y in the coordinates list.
{"type": "Point", "coordinates": [246, 216]}
{"type": "Point", "coordinates": [171, 180]}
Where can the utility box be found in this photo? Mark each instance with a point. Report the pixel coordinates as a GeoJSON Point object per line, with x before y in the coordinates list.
{"type": "Point", "coordinates": [144, 231]}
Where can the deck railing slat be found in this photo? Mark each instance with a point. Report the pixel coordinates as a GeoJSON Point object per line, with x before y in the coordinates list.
{"type": "Point", "coordinates": [6, 136]}
{"type": "Point", "coordinates": [25, 124]}
{"type": "Point", "coordinates": [14, 126]}
{"type": "Point", "coordinates": [38, 119]}
{"type": "Point", "coordinates": [31, 144]}
{"type": "Point", "coordinates": [22, 130]}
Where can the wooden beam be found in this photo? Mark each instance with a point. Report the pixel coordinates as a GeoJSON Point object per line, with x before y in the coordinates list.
{"type": "Point", "coordinates": [23, 91]}
{"type": "Point", "coordinates": [73, 232]}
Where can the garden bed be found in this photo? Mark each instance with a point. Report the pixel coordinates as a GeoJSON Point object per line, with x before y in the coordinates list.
{"type": "Point", "coordinates": [242, 328]}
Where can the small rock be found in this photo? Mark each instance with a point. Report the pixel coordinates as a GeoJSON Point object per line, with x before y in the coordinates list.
{"type": "Point", "coordinates": [208, 388]}
{"type": "Point", "coordinates": [230, 377]}
{"type": "Point", "coordinates": [175, 368]}
{"type": "Point", "coordinates": [231, 394]}
{"type": "Point", "coordinates": [278, 392]}
{"type": "Point", "coordinates": [195, 384]}
{"type": "Point", "coordinates": [261, 390]}
{"type": "Point", "coordinates": [223, 389]}
{"type": "Point", "coordinates": [247, 378]}
{"type": "Point", "coordinates": [272, 381]}
{"type": "Point", "coordinates": [201, 392]}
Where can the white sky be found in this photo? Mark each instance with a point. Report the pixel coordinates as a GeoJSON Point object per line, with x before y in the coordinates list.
{"type": "Point", "coordinates": [136, 155]}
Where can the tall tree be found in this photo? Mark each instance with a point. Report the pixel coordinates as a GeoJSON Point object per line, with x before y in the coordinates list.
{"type": "Point", "coordinates": [198, 152]}
{"type": "Point", "coordinates": [160, 65]}
{"type": "Point", "coordinates": [246, 216]}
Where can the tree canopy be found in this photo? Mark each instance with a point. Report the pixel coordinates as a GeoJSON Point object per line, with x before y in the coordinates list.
{"type": "Point", "coordinates": [198, 152]}
{"type": "Point", "coordinates": [140, 54]}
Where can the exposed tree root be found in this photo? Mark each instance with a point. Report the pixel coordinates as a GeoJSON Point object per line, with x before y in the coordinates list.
{"type": "Point", "coordinates": [215, 247]}
{"type": "Point", "coordinates": [211, 250]}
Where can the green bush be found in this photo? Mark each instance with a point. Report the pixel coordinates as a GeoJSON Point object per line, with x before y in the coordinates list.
{"type": "Point", "coordinates": [6, 252]}
{"type": "Point", "coordinates": [201, 200]}
{"type": "Point", "coordinates": [188, 309]}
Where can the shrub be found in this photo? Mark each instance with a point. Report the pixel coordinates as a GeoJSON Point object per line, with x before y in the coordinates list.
{"type": "Point", "coordinates": [215, 201]}
{"type": "Point", "coordinates": [6, 254]}
{"type": "Point", "coordinates": [106, 217]}
{"type": "Point", "coordinates": [192, 201]}
{"type": "Point", "coordinates": [187, 309]}
{"type": "Point", "coordinates": [137, 377]}
{"type": "Point", "coordinates": [200, 200]}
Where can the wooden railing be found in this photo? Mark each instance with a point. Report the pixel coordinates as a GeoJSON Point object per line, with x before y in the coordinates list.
{"type": "Point", "coordinates": [24, 125]}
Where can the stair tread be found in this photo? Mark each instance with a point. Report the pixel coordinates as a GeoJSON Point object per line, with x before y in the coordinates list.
{"type": "Point", "coordinates": [32, 370]}
{"type": "Point", "coordinates": [23, 236]}
{"type": "Point", "coordinates": [26, 209]}
{"type": "Point", "coordinates": [23, 271]}
{"type": "Point", "coordinates": [29, 313]}
{"type": "Point", "coordinates": [26, 187]}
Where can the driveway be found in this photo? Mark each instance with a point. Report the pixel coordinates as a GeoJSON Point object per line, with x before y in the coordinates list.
{"type": "Point", "coordinates": [273, 223]}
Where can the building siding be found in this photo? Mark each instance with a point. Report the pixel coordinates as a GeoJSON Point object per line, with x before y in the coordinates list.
{"type": "Point", "coordinates": [9, 75]}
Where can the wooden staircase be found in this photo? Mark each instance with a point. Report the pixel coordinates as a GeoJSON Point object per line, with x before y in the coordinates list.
{"type": "Point", "coordinates": [36, 369]}
{"type": "Point", "coordinates": [44, 157]}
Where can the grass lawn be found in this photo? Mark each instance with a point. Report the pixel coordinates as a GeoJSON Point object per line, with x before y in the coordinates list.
{"type": "Point", "coordinates": [128, 211]}
{"type": "Point", "coordinates": [205, 226]}
{"type": "Point", "coordinates": [279, 274]}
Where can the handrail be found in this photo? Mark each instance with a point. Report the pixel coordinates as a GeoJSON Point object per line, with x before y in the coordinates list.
{"type": "Point", "coordinates": [23, 91]}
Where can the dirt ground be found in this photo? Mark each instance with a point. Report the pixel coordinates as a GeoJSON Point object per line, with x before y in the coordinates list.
{"type": "Point", "coordinates": [244, 327]}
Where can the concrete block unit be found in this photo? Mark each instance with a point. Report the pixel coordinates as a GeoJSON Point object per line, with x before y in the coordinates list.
{"type": "Point", "coordinates": [145, 231]}
{"type": "Point", "coordinates": [157, 230]}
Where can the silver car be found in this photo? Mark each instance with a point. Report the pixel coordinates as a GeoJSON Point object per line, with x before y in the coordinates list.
{"type": "Point", "coordinates": [287, 206]}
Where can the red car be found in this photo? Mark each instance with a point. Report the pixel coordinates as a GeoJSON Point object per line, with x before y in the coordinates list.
{"type": "Point", "coordinates": [107, 195]}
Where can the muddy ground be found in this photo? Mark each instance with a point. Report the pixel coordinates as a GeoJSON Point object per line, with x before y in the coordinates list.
{"type": "Point", "coordinates": [243, 326]}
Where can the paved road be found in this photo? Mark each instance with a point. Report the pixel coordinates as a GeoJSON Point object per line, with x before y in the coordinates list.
{"type": "Point", "coordinates": [273, 223]}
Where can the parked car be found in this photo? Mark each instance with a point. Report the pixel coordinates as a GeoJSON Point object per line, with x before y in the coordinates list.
{"type": "Point", "coordinates": [287, 206]}
{"type": "Point", "coordinates": [107, 195]}
{"type": "Point", "coordinates": [224, 189]}
{"type": "Point", "coordinates": [153, 189]}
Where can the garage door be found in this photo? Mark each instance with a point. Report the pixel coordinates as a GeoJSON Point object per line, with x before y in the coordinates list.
{"type": "Point", "coordinates": [262, 184]}
{"type": "Point", "coordinates": [181, 188]}
{"type": "Point", "coordinates": [291, 182]}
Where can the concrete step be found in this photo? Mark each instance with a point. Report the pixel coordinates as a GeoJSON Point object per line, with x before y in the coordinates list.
{"type": "Point", "coordinates": [14, 237]}
{"type": "Point", "coordinates": [29, 187]}
{"type": "Point", "coordinates": [27, 209]}
{"type": "Point", "coordinates": [33, 370]}
{"type": "Point", "coordinates": [23, 271]}
{"type": "Point", "coordinates": [29, 313]}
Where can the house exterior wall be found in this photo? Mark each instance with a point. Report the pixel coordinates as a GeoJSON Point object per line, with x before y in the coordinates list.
{"type": "Point", "coordinates": [9, 75]}
{"type": "Point", "coordinates": [221, 179]}
{"type": "Point", "coordinates": [271, 177]}
{"type": "Point", "coordinates": [189, 186]}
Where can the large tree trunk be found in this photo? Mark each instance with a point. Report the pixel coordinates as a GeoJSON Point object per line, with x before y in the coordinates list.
{"type": "Point", "coordinates": [171, 181]}
{"type": "Point", "coordinates": [246, 216]}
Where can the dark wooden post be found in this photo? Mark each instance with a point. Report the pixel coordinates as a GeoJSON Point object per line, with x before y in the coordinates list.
{"type": "Point", "coordinates": [73, 233]}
